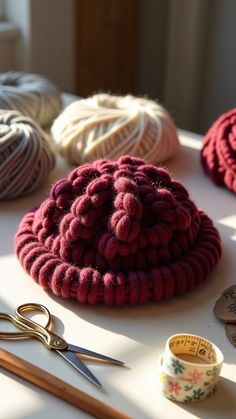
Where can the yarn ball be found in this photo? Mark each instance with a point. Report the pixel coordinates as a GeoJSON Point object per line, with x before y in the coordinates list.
{"type": "Point", "coordinates": [26, 155]}
{"type": "Point", "coordinates": [218, 154]}
{"type": "Point", "coordinates": [117, 232]}
{"type": "Point", "coordinates": [30, 94]}
{"type": "Point", "coordinates": [106, 126]}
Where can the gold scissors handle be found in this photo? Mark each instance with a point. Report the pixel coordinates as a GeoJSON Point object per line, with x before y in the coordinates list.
{"type": "Point", "coordinates": [31, 328]}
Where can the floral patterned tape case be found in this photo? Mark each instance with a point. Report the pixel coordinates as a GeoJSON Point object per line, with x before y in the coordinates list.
{"type": "Point", "coordinates": [189, 368]}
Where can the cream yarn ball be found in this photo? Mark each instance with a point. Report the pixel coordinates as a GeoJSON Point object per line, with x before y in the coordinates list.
{"type": "Point", "coordinates": [26, 155]}
{"type": "Point", "coordinates": [106, 126]}
{"type": "Point", "coordinates": [31, 94]}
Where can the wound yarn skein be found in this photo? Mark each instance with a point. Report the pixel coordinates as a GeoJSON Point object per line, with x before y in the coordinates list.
{"type": "Point", "coordinates": [107, 126]}
{"type": "Point", "coordinates": [31, 94]}
{"type": "Point", "coordinates": [26, 155]}
{"type": "Point", "coordinates": [218, 154]}
{"type": "Point", "coordinates": [117, 232]}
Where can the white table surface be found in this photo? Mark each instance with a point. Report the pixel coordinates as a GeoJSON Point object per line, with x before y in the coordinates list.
{"type": "Point", "coordinates": [135, 335]}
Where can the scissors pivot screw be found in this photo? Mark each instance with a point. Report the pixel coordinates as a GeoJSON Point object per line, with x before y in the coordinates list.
{"type": "Point", "coordinates": [57, 342]}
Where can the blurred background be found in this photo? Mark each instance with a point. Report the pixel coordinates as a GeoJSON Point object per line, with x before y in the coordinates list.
{"type": "Point", "coordinates": [180, 52]}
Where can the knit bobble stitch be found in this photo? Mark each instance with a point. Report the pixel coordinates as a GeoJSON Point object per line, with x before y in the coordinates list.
{"type": "Point", "coordinates": [118, 232]}
{"type": "Point", "coordinates": [218, 154]}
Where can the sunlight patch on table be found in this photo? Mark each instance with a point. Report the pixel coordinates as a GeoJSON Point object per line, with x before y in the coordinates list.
{"type": "Point", "coordinates": [230, 222]}
{"type": "Point", "coordinates": [24, 402]}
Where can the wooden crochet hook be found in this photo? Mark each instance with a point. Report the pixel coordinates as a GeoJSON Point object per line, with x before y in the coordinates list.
{"type": "Point", "coordinates": [57, 387]}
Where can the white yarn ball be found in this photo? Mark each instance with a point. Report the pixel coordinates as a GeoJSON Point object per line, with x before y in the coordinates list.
{"type": "Point", "coordinates": [30, 94]}
{"type": "Point", "coordinates": [106, 126]}
{"type": "Point", "coordinates": [26, 155]}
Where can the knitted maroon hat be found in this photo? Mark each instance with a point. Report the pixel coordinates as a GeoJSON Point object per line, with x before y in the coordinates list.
{"type": "Point", "coordinates": [218, 152]}
{"type": "Point", "coordinates": [118, 232]}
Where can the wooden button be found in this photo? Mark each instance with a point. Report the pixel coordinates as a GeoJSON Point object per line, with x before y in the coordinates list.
{"type": "Point", "coordinates": [230, 330]}
{"type": "Point", "coordinates": [225, 307]}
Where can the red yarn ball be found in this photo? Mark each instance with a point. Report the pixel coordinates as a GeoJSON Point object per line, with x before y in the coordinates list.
{"type": "Point", "coordinates": [118, 232]}
{"type": "Point", "coordinates": [218, 154]}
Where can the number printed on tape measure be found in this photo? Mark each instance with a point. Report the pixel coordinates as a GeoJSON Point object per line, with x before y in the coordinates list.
{"type": "Point", "coordinates": [194, 346]}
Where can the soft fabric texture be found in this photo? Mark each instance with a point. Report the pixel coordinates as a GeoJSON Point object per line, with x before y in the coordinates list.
{"type": "Point", "coordinates": [106, 126]}
{"type": "Point", "coordinates": [218, 154]}
{"type": "Point", "coordinates": [26, 155]}
{"type": "Point", "coordinates": [118, 232]}
{"type": "Point", "coordinates": [30, 94]}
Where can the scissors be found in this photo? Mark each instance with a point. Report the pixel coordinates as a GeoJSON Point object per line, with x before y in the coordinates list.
{"type": "Point", "coordinates": [51, 341]}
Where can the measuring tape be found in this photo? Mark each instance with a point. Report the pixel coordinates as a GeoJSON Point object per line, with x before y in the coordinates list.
{"type": "Point", "coordinates": [189, 368]}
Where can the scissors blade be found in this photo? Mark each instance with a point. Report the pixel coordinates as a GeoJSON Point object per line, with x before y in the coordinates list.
{"type": "Point", "coordinates": [79, 366]}
{"type": "Point", "coordinates": [87, 352]}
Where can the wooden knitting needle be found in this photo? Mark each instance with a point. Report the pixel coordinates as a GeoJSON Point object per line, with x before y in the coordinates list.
{"type": "Point", "coordinates": [59, 388]}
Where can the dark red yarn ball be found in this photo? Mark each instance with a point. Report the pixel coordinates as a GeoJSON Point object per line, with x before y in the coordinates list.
{"type": "Point", "coordinates": [218, 154]}
{"type": "Point", "coordinates": [118, 232]}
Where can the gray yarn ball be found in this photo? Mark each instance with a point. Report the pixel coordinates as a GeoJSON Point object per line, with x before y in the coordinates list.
{"type": "Point", "coordinates": [26, 155]}
{"type": "Point", "coordinates": [30, 94]}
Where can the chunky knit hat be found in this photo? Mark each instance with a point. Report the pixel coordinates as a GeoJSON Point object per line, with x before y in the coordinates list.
{"type": "Point", "coordinates": [118, 232]}
{"type": "Point", "coordinates": [218, 152]}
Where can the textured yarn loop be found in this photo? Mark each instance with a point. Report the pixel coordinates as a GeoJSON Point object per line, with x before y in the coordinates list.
{"type": "Point", "coordinates": [118, 232]}
{"type": "Point", "coordinates": [106, 126]}
{"type": "Point", "coordinates": [218, 154]}
{"type": "Point", "coordinates": [31, 94]}
{"type": "Point", "coordinates": [26, 155]}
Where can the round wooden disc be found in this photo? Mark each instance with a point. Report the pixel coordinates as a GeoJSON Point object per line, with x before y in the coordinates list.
{"type": "Point", "coordinates": [230, 330]}
{"type": "Point", "coordinates": [225, 307]}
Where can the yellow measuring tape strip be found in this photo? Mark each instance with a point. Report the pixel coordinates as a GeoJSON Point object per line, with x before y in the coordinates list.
{"type": "Point", "coordinates": [189, 368]}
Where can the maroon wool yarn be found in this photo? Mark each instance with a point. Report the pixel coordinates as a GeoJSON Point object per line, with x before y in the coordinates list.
{"type": "Point", "coordinates": [218, 154]}
{"type": "Point", "coordinates": [118, 232]}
